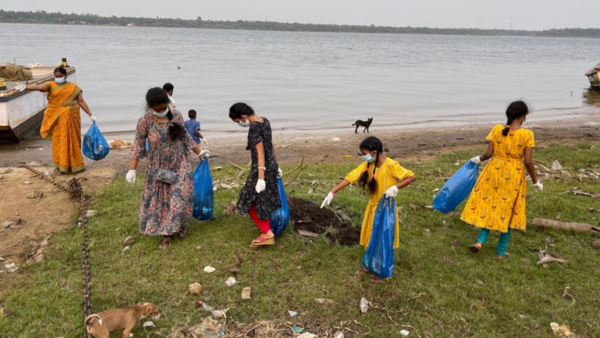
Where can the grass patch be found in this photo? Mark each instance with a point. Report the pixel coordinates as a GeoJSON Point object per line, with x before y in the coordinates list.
{"type": "Point", "coordinates": [441, 290]}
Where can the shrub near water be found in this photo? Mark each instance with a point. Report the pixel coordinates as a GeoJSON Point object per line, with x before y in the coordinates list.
{"type": "Point", "coordinates": [439, 288]}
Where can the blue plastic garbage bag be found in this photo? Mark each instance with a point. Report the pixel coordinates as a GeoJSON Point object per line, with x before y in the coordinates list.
{"type": "Point", "coordinates": [379, 257]}
{"type": "Point", "coordinates": [281, 217]}
{"type": "Point", "coordinates": [204, 197]}
{"type": "Point", "coordinates": [458, 187]}
{"type": "Point", "coordinates": [95, 146]}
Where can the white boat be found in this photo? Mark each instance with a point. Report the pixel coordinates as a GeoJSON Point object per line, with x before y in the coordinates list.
{"type": "Point", "coordinates": [593, 76]}
{"type": "Point", "coordinates": [21, 113]}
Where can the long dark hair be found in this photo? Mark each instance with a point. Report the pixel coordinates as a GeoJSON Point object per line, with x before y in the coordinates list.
{"type": "Point", "coordinates": [371, 143]}
{"type": "Point", "coordinates": [157, 96]}
{"type": "Point", "coordinates": [514, 111]}
{"type": "Point", "coordinates": [237, 110]}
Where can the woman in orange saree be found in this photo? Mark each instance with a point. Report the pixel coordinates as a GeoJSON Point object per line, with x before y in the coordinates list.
{"type": "Point", "coordinates": [62, 121]}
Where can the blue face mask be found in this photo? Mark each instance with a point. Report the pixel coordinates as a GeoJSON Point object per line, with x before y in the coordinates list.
{"type": "Point", "coordinates": [368, 158]}
{"type": "Point", "coordinates": [60, 80]}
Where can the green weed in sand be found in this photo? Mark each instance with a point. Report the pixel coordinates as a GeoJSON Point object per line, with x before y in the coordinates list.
{"type": "Point", "coordinates": [438, 289]}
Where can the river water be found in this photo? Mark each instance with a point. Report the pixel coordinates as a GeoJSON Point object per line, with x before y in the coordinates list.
{"type": "Point", "coordinates": [306, 81]}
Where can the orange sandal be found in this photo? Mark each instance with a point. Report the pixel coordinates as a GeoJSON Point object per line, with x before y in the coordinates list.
{"type": "Point", "coordinates": [261, 241]}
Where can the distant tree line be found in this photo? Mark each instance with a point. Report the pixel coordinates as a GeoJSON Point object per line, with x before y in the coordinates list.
{"type": "Point", "coordinates": [91, 19]}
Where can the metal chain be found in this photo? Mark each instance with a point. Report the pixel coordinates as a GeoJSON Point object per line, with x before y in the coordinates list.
{"type": "Point", "coordinates": [76, 191]}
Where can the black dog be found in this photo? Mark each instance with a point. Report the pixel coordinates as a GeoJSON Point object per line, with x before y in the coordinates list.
{"type": "Point", "coordinates": [365, 124]}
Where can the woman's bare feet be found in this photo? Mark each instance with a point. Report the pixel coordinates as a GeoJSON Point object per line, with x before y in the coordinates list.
{"type": "Point", "coordinates": [361, 272]}
{"type": "Point", "coordinates": [165, 242]}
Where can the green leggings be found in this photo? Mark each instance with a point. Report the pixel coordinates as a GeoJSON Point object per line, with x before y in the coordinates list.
{"type": "Point", "coordinates": [502, 242]}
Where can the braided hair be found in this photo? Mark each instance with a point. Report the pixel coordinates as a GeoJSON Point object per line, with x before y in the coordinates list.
{"type": "Point", "coordinates": [514, 111]}
{"type": "Point", "coordinates": [157, 96]}
{"type": "Point", "coordinates": [371, 143]}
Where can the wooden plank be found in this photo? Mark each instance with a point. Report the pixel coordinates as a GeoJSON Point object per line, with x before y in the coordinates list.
{"type": "Point", "coordinates": [579, 227]}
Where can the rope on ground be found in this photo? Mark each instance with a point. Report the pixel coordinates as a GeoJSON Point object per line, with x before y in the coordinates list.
{"type": "Point", "coordinates": [75, 190]}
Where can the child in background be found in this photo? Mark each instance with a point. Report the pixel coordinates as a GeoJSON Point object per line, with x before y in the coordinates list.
{"type": "Point", "coordinates": [498, 198]}
{"type": "Point", "coordinates": [380, 176]}
{"type": "Point", "coordinates": [193, 127]}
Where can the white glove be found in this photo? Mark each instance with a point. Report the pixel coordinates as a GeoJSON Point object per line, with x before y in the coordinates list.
{"type": "Point", "coordinates": [21, 87]}
{"type": "Point", "coordinates": [204, 154]}
{"type": "Point", "coordinates": [538, 186]}
{"type": "Point", "coordinates": [392, 192]}
{"type": "Point", "coordinates": [279, 172]}
{"type": "Point", "coordinates": [261, 185]}
{"type": "Point", "coordinates": [93, 118]}
{"type": "Point", "coordinates": [131, 176]}
{"type": "Point", "coordinates": [327, 200]}
{"type": "Point", "coordinates": [476, 160]}
{"type": "Point", "coordinates": [204, 140]}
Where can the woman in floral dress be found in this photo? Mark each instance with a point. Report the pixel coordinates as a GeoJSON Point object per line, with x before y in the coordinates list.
{"type": "Point", "coordinates": [260, 195]}
{"type": "Point", "coordinates": [168, 195]}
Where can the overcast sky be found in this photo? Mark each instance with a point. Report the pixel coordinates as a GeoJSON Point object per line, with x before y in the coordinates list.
{"type": "Point", "coordinates": [524, 14]}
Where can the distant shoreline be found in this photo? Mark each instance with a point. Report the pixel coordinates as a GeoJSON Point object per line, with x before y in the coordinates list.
{"type": "Point", "coordinates": [42, 17]}
{"type": "Point", "coordinates": [300, 31]}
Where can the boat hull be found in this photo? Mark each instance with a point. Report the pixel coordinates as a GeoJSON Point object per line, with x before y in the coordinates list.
{"type": "Point", "coordinates": [593, 76]}
{"type": "Point", "coordinates": [594, 80]}
{"type": "Point", "coordinates": [21, 116]}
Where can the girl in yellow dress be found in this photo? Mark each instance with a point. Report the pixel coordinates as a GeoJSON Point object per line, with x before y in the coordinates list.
{"type": "Point", "coordinates": [498, 199]}
{"type": "Point", "coordinates": [380, 175]}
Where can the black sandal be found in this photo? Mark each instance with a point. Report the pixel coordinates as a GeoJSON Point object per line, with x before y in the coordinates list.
{"type": "Point", "coordinates": [182, 233]}
{"type": "Point", "coordinates": [474, 248]}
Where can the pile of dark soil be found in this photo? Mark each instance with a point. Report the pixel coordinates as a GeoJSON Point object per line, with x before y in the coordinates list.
{"type": "Point", "coordinates": [310, 217]}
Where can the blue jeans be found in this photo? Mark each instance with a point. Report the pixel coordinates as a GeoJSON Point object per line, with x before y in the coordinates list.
{"type": "Point", "coordinates": [502, 242]}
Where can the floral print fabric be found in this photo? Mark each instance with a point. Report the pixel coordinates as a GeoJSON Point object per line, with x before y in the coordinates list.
{"type": "Point", "coordinates": [164, 208]}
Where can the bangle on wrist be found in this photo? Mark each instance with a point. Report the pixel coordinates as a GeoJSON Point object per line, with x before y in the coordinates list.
{"type": "Point", "coordinates": [262, 168]}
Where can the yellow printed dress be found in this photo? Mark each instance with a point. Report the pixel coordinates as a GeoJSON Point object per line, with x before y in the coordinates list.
{"type": "Point", "coordinates": [390, 173]}
{"type": "Point", "coordinates": [62, 122]}
{"type": "Point", "coordinates": [498, 198]}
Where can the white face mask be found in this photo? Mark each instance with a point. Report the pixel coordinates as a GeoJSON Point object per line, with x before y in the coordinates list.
{"type": "Point", "coordinates": [163, 114]}
{"type": "Point", "coordinates": [60, 80]}
{"type": "Point", "coordinates": [244, 124]}
{"type": "Point", "coordinates": [369, 159]}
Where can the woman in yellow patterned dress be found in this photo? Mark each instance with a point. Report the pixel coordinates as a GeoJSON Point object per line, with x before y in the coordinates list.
{"type": "Point", "coordinates": [62, 121]}
{"type": "Point", "coordinates": [498, 199]}
{"type": "Point", "coordinates": [380, 175]}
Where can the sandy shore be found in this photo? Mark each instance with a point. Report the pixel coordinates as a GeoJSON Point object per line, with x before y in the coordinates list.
{"type": "Point", "coordinates": [332, 146]}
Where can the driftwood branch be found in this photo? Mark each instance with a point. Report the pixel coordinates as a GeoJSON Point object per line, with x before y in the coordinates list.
{"type": "Point", "coordinates": [588, 194]}
{"type": "Point", "coordinates": [236, 166]}
{"type": "Point", "coordinates": [579, 227]}
{"type": "Point", "coordinates": [298, 167]}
